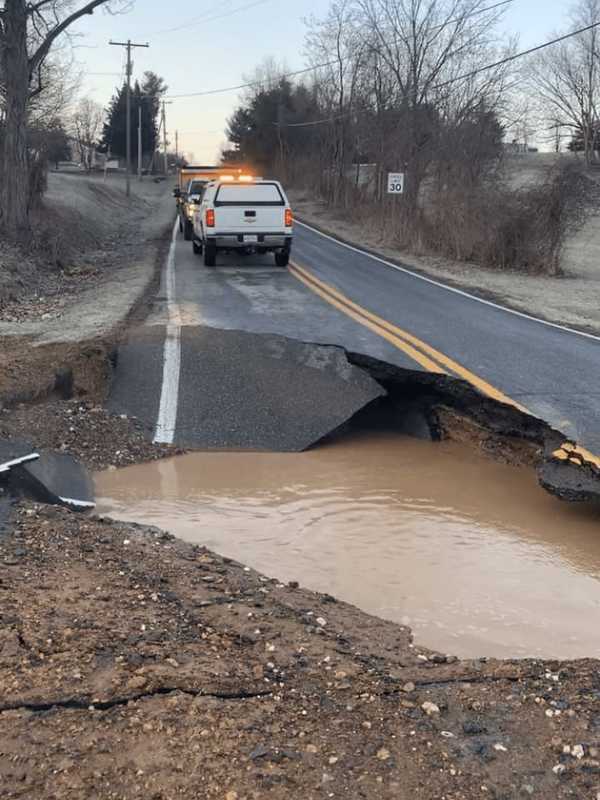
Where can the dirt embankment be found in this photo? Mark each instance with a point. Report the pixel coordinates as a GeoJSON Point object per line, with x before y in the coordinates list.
{"type": "Point", "coordinates": [67, 317]}
{"type": "Point", "coordinates": [570, 299]}
{"type": "Point", "coordinates": [60, 323]}
{"type": "Point", "coordinates": [83, 233]}
{"type": "Point", "coordinates": [133, 665]}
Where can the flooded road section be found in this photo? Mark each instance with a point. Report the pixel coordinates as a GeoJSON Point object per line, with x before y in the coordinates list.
{"type": "Point", "coordinates": [473, 555]}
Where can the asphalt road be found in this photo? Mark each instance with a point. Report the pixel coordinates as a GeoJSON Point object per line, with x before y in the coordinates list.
{"type": "Point", "coordinates": [339, 295]}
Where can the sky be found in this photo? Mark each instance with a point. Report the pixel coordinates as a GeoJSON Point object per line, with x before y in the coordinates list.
{"type": "Point", "coordinates": [201, 46]}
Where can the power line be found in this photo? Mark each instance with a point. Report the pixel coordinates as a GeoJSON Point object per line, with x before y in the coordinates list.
{"type": "Point", "coordinates": [463, 77]}
{"type": "Point", "coordinates": [528, 52]}
{"type": "Point", "coordinates": [204, 18]}
{"type": "Point", "coordinates": [304, 70]}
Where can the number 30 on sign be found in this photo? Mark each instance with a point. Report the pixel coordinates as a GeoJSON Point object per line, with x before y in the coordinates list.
{"type": "Point", "coordinates": [395, 183]}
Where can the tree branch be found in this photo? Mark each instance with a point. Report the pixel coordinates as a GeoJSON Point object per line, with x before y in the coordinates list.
{"type": "Point", "coordinates": [40, 54]}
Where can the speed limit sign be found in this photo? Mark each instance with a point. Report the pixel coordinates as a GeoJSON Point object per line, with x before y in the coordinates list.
{"type": "Point", "coordinates": [395, 183]}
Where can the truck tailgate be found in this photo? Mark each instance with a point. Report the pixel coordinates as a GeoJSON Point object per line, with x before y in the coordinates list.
{"type": "Point", "coordinates": [249, 219]}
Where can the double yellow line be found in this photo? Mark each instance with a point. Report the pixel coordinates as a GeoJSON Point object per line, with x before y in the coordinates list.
{"type": "Point", "coordinates": [416, 349]}
{"type": "Point", "coordinates": [422, 353]}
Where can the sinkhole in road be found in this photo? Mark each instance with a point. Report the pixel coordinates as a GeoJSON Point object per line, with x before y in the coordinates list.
{"type": "Point", "coordinates": [472, 554]}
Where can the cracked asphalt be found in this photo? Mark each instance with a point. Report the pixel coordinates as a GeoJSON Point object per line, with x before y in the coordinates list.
{"type": "Point", "coordinates": [550, 371]}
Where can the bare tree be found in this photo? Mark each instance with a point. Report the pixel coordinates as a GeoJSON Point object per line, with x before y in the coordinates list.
{"type": "Point", "coordinates": [426, 45]}
{"type": "Point", "coordinates": [264, 77]}
{"type": "Point", "coordinates": [28, 32]}
{"type": "Point", "coordinates": [86, 126]}
{"type": "Point", "coordinates": [566, 78]}
{"type": "Point", "coordinates": [337, 84]}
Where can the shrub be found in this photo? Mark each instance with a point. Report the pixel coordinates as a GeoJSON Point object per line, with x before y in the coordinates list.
{"type": "Point", "coordinates": [523, 229]}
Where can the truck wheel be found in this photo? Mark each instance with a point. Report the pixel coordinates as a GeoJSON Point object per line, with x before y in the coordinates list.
{"type": "Point", "coordinates": [197, 247]}
{"type": "Point", "coordinates": [188, 230]}
{"type": "Point", "coordinates": [282, 258]}
{"type": "Point", "coordinates": [210, 255]}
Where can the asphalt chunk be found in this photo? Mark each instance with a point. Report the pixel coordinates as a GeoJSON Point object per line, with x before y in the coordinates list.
{"type": "Point", "coordinates": [55, 478]}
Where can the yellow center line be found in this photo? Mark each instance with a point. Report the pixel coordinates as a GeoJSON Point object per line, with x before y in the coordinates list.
{"type": "Point", "coordinates": [421, 359]}
{"type": "Point", "coordinates": [383, 327]}
{"type": "Point", "coordinates": [569, 451]}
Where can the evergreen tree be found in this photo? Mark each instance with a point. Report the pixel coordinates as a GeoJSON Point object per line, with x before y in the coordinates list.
{"type": "Point", "coordinates": [146, 96]}
{"type": "Point", "coordinates": [254, 129]}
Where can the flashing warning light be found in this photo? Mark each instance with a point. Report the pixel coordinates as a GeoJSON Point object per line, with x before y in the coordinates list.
{"type": "Point", "coordinates": [226, 178]}
{"type": "Point", "coordinates": [245, 179]}
{"type": "Point", "coordinates": [288, 218]}
{"type": "Point", "coordinates": [210, 218]}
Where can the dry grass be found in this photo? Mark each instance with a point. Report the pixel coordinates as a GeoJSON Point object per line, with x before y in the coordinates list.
{"type": "Point", "coordinates": [495, 223]}
{"type": "Point", "coordinates": [522, 229]}
{"type": "Point", "coordinates": [77, 229]}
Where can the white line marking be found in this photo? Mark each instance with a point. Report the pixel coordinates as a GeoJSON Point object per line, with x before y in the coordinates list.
{"type": "Point", "coordinates": [5, 467]}
{"type": "Point", "coordinates": [169, 395]}
{"type": "Point", "coordinates": [452, 288]}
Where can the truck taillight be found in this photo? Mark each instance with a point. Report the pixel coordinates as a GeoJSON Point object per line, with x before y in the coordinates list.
{"type": "Point", "coordinates": [210, 218]}
{"type": "Point", "coordinates": [288, 218]}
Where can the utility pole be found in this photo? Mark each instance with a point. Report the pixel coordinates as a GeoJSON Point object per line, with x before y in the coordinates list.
{"type": "Point", "coordinates": [139, 142]}
{"type": "Point", "coordinates": [177, 146]}
{"type": "Point", "coordinates": [128, 44]}
{"type": "Point", "coordinates": [164, 131]}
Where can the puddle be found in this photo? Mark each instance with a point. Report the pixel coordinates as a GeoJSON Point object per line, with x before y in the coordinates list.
{"type": "Point", "coordinates": [473, 555]}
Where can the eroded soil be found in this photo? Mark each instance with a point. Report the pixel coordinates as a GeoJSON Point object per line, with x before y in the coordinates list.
{"type": "Point", "coordinates": [134, 665]}
{"type": "Point", "coordinates": [86, 430]}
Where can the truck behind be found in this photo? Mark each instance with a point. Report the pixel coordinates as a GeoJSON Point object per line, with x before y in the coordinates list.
{"type": "Point", "coordinates": [191, 181]}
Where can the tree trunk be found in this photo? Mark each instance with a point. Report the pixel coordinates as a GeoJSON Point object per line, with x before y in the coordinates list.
{"type": "Point", "coordinates": [15, 66]}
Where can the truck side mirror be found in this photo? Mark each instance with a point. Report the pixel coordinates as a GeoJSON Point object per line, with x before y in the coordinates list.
{"type": "Point", "coordinates": [177, 192]}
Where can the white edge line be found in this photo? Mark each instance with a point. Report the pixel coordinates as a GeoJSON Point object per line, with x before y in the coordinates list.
{"type": "Point", "coordinates": [78, 503]}
{"type": "Point", "coordinates": [6, 466]}
{"type": "Point", "coordinates": [451, 288]}
{"type": "Point", "coordinates": [169, 395]}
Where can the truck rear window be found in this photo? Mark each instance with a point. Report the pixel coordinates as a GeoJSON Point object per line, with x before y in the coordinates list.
{"type": "Point", "coordinates": [249, 194]}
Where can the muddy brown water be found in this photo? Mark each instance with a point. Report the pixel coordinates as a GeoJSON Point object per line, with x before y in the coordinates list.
{"type": "Point", "coordinates": [472, 554]}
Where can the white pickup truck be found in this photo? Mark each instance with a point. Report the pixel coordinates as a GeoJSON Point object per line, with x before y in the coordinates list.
{"type": "Point", "coordinates": [248, 216]}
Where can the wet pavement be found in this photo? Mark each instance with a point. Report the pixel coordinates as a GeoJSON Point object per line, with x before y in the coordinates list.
{"type": "Point", "coordinates": [472, 554]}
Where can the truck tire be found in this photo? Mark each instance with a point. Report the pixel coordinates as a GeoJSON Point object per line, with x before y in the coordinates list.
{"type": "Point", "coordinates": [197, 247]}
{"type": "Point", "coordinates": [188, 230]}
{"type": "Point", "coordinates": [282, 258]}
{"type": "Point", "coordinates": [210, 254]}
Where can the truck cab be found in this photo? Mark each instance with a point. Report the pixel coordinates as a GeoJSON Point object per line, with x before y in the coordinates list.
{"type": "Point", "coordinates": [246, 215]}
